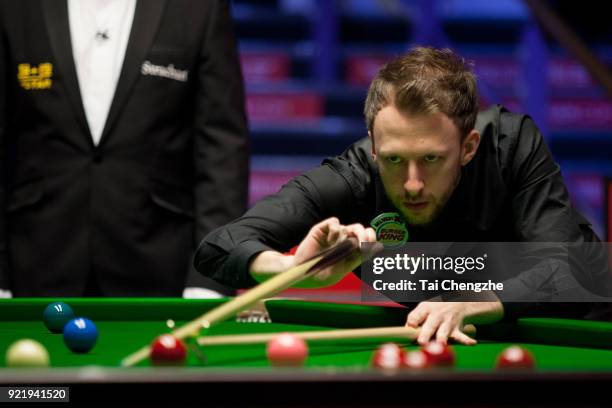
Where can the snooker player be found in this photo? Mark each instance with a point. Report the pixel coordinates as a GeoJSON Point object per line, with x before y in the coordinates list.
{"type": "Point", "coordinates": [450, 173]}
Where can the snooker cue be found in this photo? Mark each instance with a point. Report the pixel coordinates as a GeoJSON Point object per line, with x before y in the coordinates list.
{"type": "Point", "coordinates": [409, 333]}
{"type": "Point", "coordinates": [268, 288]}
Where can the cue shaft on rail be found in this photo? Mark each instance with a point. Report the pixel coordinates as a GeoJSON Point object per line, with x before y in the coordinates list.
{"type": "Point", "coordinates": [409, 333]}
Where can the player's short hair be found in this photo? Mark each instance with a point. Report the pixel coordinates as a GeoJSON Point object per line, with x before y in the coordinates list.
{"type": "Point", "coordinates": [426, 80]}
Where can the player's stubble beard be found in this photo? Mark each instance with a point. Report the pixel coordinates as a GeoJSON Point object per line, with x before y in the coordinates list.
{"type": "Point", "coordinates": [434, 208]}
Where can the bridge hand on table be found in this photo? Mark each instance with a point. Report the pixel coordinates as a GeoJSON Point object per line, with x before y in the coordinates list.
{"type": "Point", "coordinates": [445, 320]}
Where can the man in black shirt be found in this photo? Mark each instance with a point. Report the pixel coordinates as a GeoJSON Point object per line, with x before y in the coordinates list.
{"type": "Point", "coordinates": [449, 173]}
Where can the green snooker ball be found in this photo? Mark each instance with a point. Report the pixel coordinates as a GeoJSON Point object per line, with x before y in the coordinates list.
{"type": "Point", "coordinates": [56, 315]}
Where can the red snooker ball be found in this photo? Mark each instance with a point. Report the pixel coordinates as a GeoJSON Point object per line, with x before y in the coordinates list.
{"type": "Point", "coordinates": [287, 350]}
{"type": "Point", "coordinates": [416, 360]}
{"type": "Point", "coordinates": [168, 350]}
{"type": "Point", "coordinates": [388, 356]}
{"type": "Point", "coordinates": [439, 354]}
{"type": "Point", "coordinates": [515, 357]}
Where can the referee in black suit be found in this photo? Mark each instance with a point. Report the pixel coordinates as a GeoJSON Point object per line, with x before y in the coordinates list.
{"type": "Point", "coordinates": [123, 141]}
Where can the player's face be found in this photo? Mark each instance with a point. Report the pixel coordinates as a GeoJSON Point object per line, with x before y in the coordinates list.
{"type": "Point", "coordinates": [420, 159]}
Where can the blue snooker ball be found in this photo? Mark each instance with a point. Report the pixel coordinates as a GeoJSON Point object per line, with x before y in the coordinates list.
{"type": "Point", "coordinates": [56, 315]}
{"type": "Point", "coordinates": [80, 335]}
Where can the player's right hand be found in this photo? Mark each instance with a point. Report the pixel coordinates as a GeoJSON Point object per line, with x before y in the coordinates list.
{"type": "Point", "coordinates": [324, 235]}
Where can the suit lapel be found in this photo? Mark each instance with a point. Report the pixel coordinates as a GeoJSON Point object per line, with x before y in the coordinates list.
{"type": "Point", "coordinates": [58, 28]}
{"type": "Point", "coordinates": [147, 16]}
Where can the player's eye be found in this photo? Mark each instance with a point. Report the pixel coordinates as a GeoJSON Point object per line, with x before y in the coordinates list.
{"type": "Point", "coordinates": [394, 159]}
{"type": "Point", "coordinates": [431, 158]}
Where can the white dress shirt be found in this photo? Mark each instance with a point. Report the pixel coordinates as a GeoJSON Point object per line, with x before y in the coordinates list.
{"type": "Point", "coordinates": [99, 30]}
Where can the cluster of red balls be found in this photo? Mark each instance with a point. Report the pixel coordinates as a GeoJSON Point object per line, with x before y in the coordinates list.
{"type": "Point", "coordinates": [391, 357]}
{"type": "Point", "coordinates": [287, 349]}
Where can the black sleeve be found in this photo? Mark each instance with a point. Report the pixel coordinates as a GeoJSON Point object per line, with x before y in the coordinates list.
{"type": "Point", "coordinates": [4, 278]}
{"type": "Point", "coordinates": [541, 203]}
{"type": "Point", "coordinates": [221, 147]}
{"type": "Point", "coordinates": [542, 213]}
{"type": "Point", "coordinates": [277, 222]}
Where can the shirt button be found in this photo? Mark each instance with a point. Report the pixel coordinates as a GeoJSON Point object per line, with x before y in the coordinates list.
{"type": "Point", "coordinates": [97, 158]}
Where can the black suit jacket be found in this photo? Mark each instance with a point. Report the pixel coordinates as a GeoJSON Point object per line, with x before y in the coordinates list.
{"type": "Point", "coordinates": [171, 165]}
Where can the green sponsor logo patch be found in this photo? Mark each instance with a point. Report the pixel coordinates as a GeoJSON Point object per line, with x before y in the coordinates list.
{"type": "Point", "coordinates": [390, 229]}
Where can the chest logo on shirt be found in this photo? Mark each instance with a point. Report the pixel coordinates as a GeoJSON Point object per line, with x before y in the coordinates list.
{"type": "Point", "coordinates": [390, 229]}
{"type": "Point", "coordinates": [170, 72]}
{"type": "Point", "coordinates": [35, 77]}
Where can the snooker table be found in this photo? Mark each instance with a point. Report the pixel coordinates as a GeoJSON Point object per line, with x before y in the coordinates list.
{"type": "Point", "coordinates": [570, 355]}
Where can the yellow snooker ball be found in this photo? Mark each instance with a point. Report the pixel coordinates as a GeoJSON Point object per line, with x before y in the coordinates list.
{"type": "Point", "coordinates": [27, 353]}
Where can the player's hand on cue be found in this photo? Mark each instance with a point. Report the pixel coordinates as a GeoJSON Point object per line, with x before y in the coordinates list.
{"type": "Point", "coordinates": [325, 235]}
{"type": "Point", "coordinates": [442, 321]}
{"type": "Point", "coordinates": [322, 236]}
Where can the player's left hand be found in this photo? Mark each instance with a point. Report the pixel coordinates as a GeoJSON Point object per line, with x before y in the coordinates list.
{"type": "Point", "coordinates": [442, 321]}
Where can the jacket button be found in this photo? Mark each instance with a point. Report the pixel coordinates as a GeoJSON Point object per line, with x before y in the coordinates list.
{"type": "Point", "coordinates": [97, 158]}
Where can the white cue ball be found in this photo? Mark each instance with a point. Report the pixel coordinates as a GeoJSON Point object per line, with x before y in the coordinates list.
{"type": "Point", "coordinates": [27, 353]}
